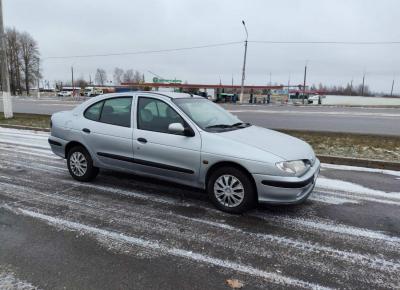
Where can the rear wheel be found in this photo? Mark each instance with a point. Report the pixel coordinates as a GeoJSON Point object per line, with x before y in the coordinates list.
{"type": "Point", "coordinates": [231, 190]}
{"type": "Point", "coordinates": [80, 164]}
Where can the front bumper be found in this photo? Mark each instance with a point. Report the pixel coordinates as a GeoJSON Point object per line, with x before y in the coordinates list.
{"type": "Point", "coordinates": [286, 190]}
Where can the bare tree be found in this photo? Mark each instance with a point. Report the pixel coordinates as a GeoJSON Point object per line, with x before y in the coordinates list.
{"type": "Point", "coordinates": [23, 60]}
{"type": "Point", "coordinates": [14, 59]}
{"type": "Point", "coordinates": [101, 76]}
{"type": "Point", "coordinates": [128, 76]}
{"type": "Point", "coordinates": [81, 83]}
{"type": "Point", "coordinates": [118, 73]}
{"type": "Point", "coordinates": [137, 77]}
{"type": "Point", "coordinates": [30, 60]}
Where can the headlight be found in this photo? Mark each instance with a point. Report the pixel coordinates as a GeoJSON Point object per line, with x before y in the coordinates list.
{"type": "Point", "coordinates": [294, 167]}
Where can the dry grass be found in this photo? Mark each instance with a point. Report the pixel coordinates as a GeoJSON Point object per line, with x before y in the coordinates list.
{"type": "Point", "coordinates": [376, 147]}
{"type": "Point", "coordinates": [30, 120]}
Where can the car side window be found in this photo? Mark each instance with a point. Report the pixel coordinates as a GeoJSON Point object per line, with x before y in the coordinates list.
{"type": "Point", "coordinates": [117, 111]}
{"type": "Point", "coordinates": [156, 115]}
{"type": "Point", "coordinates": [94, 111]}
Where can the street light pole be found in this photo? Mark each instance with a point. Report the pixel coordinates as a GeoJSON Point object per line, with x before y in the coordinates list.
{"type": "Point", "coordinates": [38, 80]}
{"type": "Point", "coordinates": [244, 64]}
{"type": "Point", "coordinates": [304, 84]}
{"type": "Point", "coordinates": [7, 103]}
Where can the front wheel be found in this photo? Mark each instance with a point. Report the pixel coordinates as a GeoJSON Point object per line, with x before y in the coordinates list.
{"type": "Point", "coordinates": [231, 190]}
{"type": "Point", "coordinates": [80, 164]}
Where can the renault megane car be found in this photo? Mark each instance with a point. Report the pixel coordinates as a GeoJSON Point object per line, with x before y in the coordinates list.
{"type": "Point", "coordinates": [185, 139]}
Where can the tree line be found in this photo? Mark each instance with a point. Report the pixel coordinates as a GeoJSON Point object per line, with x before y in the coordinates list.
{"type": "Point", "coordinates": [23, 60]}
{"type": "Point", "coordinates": [119, 76]}
{"type": "Point", "coordinates": [348, 90]}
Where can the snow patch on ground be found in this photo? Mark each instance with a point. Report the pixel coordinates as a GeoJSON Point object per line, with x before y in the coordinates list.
{"type": "Point", "coordinates": [319, 197]}
{"type": "Point", "coordinates": [345, 186]}
{"type": "Point", "coordinates": [157, 246]}
{"type": "Point", "coordinates": [10, 282]}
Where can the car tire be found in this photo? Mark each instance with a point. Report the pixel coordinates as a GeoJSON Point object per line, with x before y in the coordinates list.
{"type": "Point", "coordinates": [80, 164]}
{"type": "Point", "coordinates": [231, 190]}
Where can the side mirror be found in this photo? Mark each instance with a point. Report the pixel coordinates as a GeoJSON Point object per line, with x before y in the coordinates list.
{"type": "Point", "coordinates": [177, 128]}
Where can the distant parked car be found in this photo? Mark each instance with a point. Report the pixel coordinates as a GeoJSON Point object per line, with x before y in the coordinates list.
{"type": "Point", "coordinates": [185, 139]}
{"type": "Point", "coordinates": [64, 94]}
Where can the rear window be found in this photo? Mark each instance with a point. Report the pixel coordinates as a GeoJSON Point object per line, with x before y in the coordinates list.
{"type": "Point", "coordinates": [94, 111]}
{"type": "Point", "coordinates": [117, 111]}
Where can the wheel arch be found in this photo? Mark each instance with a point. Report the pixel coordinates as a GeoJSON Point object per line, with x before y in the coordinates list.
{"type": "Point", "coordinates": [230, 164]}
{"type": "Point", "coordinates": [73, 144]}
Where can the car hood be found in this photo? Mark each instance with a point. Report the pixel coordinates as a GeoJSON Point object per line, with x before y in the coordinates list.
{"type": "Point", "coordinates": [279, 144]}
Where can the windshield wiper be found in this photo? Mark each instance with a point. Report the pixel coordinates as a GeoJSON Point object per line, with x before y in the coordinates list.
{"type": "Point", "coordinates": [240, 124]}
{"type": "Point", "coordinates": [223, 126]}
{"type": "Point", "coordinates": [219, 126]}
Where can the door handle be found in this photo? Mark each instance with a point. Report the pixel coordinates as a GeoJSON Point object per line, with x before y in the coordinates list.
{"type": "Point", "coordinates": [86, 130]}
{"type": "Point", "coordinates": [142, 140]}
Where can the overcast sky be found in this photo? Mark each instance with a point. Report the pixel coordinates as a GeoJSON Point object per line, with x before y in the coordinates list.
{"type": "Point", "coordinates": [72, 27]}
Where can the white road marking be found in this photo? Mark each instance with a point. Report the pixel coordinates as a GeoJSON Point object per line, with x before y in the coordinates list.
{"type": "Point", "coordinates": [337, 113]}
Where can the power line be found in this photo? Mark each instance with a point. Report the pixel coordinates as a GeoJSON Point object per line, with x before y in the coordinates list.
{"type": "Point", "coordinates": [328, 42]}
{"type": "Point", "coordinates": [224, 44]}
{"type": "Point", "coordinates": [145, 51]}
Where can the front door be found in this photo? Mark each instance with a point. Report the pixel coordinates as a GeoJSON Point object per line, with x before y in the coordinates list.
{"type": "Point", "coordinates": [160, 152]}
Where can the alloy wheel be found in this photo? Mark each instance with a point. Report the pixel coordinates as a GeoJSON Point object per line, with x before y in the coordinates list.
{"type": "Point", "coordinates": [229, 191]}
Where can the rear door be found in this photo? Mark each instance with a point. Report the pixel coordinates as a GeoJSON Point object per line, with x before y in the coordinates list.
{"type": "Point", "coordinates": [107, 131]}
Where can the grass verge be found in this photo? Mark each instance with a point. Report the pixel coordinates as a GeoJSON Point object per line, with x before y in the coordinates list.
{"type": "Point", "coordinates": [26, 120]}
{"type": "Point", "coordinates": [363, 146]}
{"type": "Point", "coordinates": [375, 147]}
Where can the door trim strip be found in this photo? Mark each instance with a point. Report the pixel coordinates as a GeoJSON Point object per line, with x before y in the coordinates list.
{"type": "Point", "coordinates": [146, 163]}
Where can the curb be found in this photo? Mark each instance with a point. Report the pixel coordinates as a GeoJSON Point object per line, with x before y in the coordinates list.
{"type": "Point", "coordinates": [370, 163]}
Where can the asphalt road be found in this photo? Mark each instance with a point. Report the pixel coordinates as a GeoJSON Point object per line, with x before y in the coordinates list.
{"type": "Point", "coordinates": [381, 121]}
{"type": "Point", "coordinates": [126, 232]}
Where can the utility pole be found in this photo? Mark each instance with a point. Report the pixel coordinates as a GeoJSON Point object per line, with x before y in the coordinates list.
{"type": "Point", "coordinates": [304, 84]}
{"type": "Point", "coordinates": [288, 89]}
{"type": "Point", "coordinates": [244, 64]}
{"type": "Point", "coordinates": [362, 88]}
{"type": "Point", "coordinates": [72, 81]}
{"type": "Point", "coordinates": [351, 87]}
{"type": "Point", "coordinates": [391, 91]}
{"type": "Point", "coordinates": [5, 81]}
{"type": "Point", "coordinates": [270, 79]}
{"type": "Point", "coordinates": [38, 81]}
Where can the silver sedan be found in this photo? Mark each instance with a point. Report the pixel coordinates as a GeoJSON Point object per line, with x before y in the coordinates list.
{"type": "Point", "coordinates": [185, 139]}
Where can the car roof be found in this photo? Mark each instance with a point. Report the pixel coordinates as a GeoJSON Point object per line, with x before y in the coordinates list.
{"type": "Point", "coordinates": [172, 95]}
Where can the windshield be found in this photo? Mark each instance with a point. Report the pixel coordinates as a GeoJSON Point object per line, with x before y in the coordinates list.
{"type": "Point", "coordinates": [208, 115]}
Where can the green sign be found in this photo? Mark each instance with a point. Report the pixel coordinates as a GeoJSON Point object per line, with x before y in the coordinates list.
{"type": "Point", "coordinates": [159, 80]}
